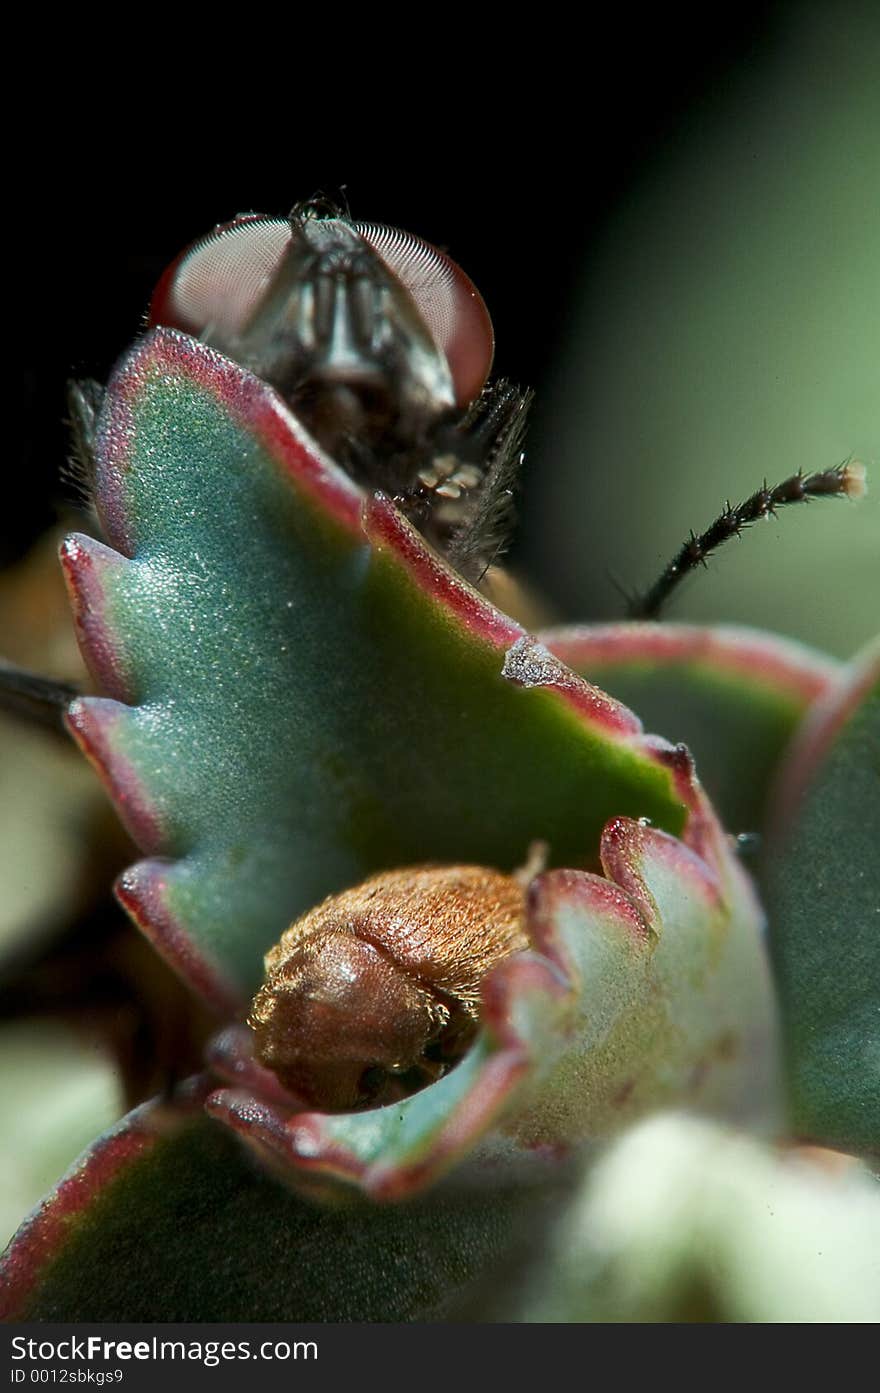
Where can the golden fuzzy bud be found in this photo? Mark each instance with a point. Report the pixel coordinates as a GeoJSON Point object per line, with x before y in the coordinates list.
{"type": "Point", "coordinates": [376, 992]}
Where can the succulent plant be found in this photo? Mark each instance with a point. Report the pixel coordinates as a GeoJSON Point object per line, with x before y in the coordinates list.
{"type": "Point", "coordinates": [523, 922]}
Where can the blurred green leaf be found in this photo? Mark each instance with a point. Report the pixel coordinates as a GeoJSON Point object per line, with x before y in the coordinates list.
{"type": "Point", "coordinates": [822, 877]}
{"type": "Point", "coordinates": [182, 1227]}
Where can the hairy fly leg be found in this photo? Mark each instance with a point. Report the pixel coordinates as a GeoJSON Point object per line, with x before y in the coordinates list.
{"type": "Point", "coordinates": [845, 480]}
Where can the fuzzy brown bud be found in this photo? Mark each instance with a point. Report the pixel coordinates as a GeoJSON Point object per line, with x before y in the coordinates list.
{"type": "Point", "coordinates": [376, 992]}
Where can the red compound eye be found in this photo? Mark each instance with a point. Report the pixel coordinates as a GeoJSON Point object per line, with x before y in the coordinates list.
{"type": "Point", "coordinates": [214, 286]}
{"type": "Point", "coordinates": [447, 300]}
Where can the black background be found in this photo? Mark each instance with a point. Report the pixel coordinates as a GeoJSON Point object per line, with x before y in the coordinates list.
{"type": "Point", "coordinates": [510, 148]}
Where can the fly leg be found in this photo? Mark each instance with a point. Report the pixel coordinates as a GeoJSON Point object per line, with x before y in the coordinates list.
{"type": "Point", "coordinates": [846, 480]}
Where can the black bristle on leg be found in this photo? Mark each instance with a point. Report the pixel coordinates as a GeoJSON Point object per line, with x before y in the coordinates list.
{"type": "Point", "coordinates": [83, 404]}
{"type": "Point", "coordinates": [845, 480]}
{"type": "Point", "coordinates": [494, 436]}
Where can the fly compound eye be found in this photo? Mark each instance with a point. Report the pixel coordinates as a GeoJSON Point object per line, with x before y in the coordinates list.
{"type": "Point", "coordinates": [214, 289]}
{"type": "Point", "coordinates": [215, 285]}
{"type": "Point", "coordinates": [447, 300]}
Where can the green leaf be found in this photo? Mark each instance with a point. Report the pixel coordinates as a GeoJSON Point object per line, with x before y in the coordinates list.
{"type": "Point", "coordinates": [734, 696]}
{"type": "Point", "coordinates": [822, 876]}
{"type": "Point", "coordinates": [313, 696]}
{"type": "Point", "coordinates": [168, 1220]}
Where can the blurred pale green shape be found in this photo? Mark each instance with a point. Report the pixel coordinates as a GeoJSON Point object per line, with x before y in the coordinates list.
{"type": "Point", "coordinates": [56, 1094]}
{"type": "Point", "coordinates": [729, 330]}
{"type": "Point", "coordinates": [684, 1220]}
{"type": "Point", "coordinates": [47, 794]}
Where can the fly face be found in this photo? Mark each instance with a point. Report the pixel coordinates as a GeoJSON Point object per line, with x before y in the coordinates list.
{"type": "Point", "coordinates": [381, 345]}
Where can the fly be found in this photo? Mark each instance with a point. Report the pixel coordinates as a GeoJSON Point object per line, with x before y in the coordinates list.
{"type": "Point", "coordinates": [380, 345]}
